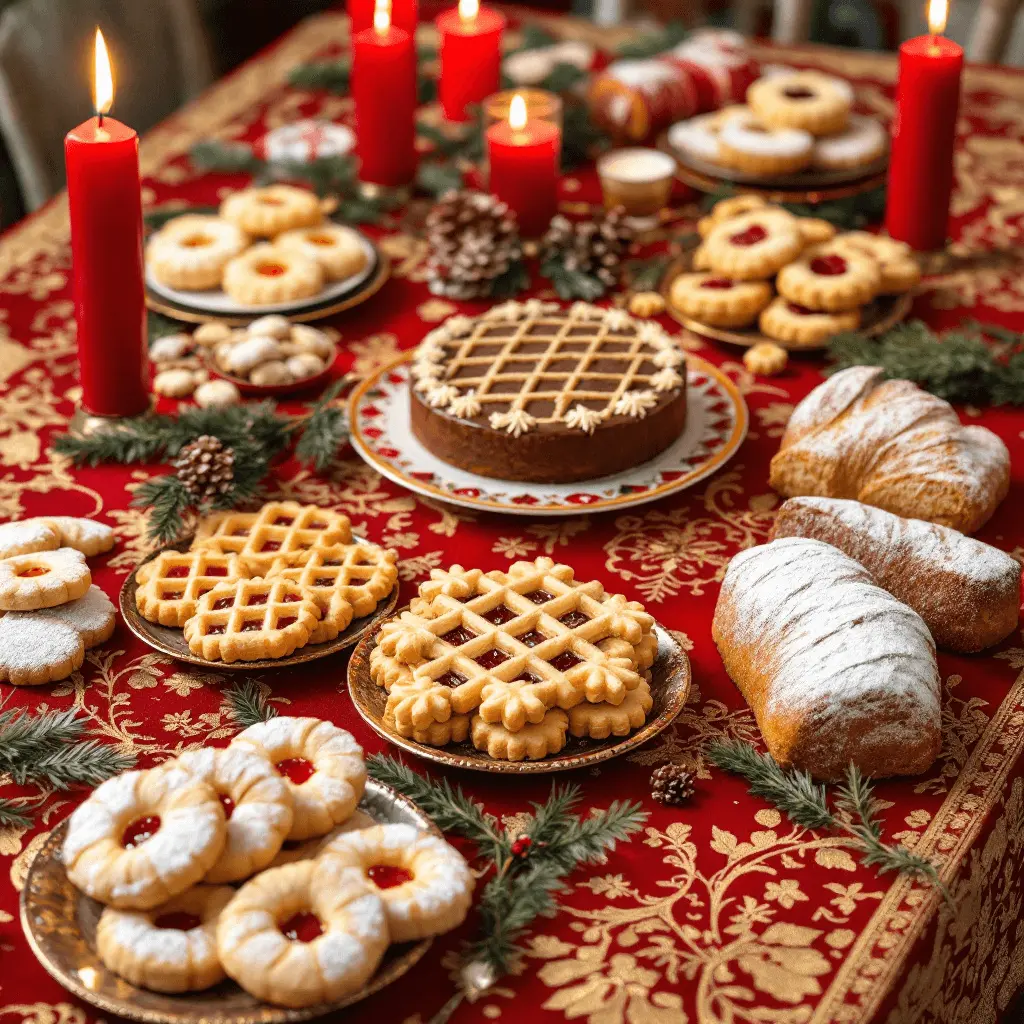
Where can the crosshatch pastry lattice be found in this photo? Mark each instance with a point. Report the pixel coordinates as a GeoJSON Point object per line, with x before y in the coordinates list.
{"type": "Point", "coordinates": [171, 584]}
{"type": "Point", "coordinates": [538, 391]}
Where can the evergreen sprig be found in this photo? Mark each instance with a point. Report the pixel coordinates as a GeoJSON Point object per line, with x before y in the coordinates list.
{"type": "Point", "coordinates": [12, 814]}
{"type": "Point", "coordinates": [324, 431]}
{"type": "Point", "coordinates": [644, 275]}
{"type": "Point", "coordinates": [169, 502]}
{"type": "Point", "coordinates": [247, 703]}
{"type": "Point", "coordinates": [331, 75]}
{"type": "Point", "coordinates": [846, 214]}
{"type": "Point", "coordinates": [652, 44]}
{"type": "Point", "coordinates": [571, 284]}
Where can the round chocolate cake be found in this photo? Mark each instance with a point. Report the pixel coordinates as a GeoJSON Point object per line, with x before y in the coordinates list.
{"type": "Point", "coordinates": [540, 392]}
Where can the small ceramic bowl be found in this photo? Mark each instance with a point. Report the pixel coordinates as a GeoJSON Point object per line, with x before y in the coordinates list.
{"type": "Point", "coordinates": [639, 180]}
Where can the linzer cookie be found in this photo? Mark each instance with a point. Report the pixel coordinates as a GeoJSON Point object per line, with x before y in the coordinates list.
{"type": "Point", "coordinates": [540, 392]}
{"type": "Point", "coordinates": [755, 245]}
{"type": "Point", "coordinates": [718, 301]}
{"type": "Point", "coordinates": [798, 326]}
{"type": "Point", "coordinates": [830, 278]}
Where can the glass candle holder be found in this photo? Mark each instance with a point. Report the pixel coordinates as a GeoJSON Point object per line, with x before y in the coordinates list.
{"type": "Point", "coordinates": [639, 180]}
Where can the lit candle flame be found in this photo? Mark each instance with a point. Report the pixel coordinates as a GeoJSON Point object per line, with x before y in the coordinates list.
{"type": "Point", "coordinates": [468, 9]}
{"type": "Point", "coordinates": [517, 113]}
{"type": "Point", "coordinates": [938, 12]}
{"type": "Point", "coordinates": [103, 78]}
{"type": "Point", "coordinates": [382, 15]}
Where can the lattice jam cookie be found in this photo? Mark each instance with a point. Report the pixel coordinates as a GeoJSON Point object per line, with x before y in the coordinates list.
{"type": "Point", "coordinates": [265, 275]}
{"type": "Point", "coordinates": [717, 301]}
{"type": "Point", "coordinates": [171, 948]}
{"type": "Point", "coordinates": [425, 883]}
{"type": "Point", "coordinates": [272, 209]}
{"type": "Point", "coordinates": [191, 252]}
{"type": "Point", "coordinates": [43, 579]}
{"type": "Point", "coordinates": [256, 802]}
{"type": "Point", "coordinates": [798, 326]}
{"type": "Point", "coordinates": [36, 650]}
{"type": "Point", "coordinates": [143, 837]}
{"type": "Point", "coordinates": [754, 246]}
{"type": "Point", "coordinates": [599, 721]}
{"type": "Point", "coordinates": [322, 764]}
{"type": "Point", "coordinates": [830, 279]}
{"type": "Point", "coordinates": [27, 537]}
{"type": "Point", "coordinates": [278, 528]}
{"type": "Point", "coordinates": [808, 100]}
{"type": "Point", "coordinates": [749, 145]}
{"type": "Point", "coordinates": [249, 620]}
{"type": "Point", "coordinates": [303, 934]}
{"type": "Point", "coordinates": [338, 249]}
{"type": "Point", "coordinates": [170, 585]}
{"type": "Point", "coordinates": [536, 391]}
{"type": "Point", "coordinates": [85, 535]}
{"type": "Point", "coordinates": [900, 271]}
{"type": "Point", "coordinates": [531, 743]}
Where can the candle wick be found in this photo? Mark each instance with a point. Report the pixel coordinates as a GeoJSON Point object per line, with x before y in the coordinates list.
{"type": "Point", "coordinates": [99, 119]}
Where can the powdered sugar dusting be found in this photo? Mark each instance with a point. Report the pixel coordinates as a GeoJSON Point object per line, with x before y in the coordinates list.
{"type": "Point", "coordinates": [22, 538]}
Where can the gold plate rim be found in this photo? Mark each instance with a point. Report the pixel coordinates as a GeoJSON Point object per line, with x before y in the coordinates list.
{"type": "Point", "coordinates": [677, 683]}
{"type": "Point", "coordinates": [192, 1011]}
{"type": "Point", "coordinates": [152, 634]}
{"type": "Point", "coordinates": [899, 307]}
{"type": "Point", "coordinates": [300, 315]}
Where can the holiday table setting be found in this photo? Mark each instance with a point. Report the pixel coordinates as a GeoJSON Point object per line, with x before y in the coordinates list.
{"type": "Point", "coordinates": [492, 580]}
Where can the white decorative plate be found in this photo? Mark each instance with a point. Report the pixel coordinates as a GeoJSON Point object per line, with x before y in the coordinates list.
{"type": "Point", "coordinates": [716, 424]}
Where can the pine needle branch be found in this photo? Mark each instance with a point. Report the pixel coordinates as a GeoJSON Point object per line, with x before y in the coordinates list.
{"type": "Point", "coordinates": [247, 703]}
{"type": "Point", "coordinates": [24, 735]}
{"type": "Point", "coordinates": [588, 840]}
{"type": "Point", "coordinates": [168, 501]}
{"type": "Point", "coordinates": [324, 430]}
{"type": "Point", "coordinates": [85, 763]}
{"type": "Point", "coordinates": [12, 815]}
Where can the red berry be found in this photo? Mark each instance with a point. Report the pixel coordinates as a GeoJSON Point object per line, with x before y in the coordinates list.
{"type": "Point", "coordinates": [521, 846]}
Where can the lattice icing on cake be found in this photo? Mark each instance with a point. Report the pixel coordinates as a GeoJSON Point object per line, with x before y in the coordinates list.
{"type": "Point", "coordinates": [522, 365]}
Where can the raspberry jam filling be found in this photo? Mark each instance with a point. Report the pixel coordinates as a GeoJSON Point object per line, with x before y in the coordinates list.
{"type": "Point", "coordinates": [491, 658]}
{"type": "Point", "coordinates": [565, 661]}
{"type": "Point", "coordinates": [539, 596]}
{"type": "Point", "coordinates": [139, 831]}
{"type": "Point", "coordinates": [387, 876]}
{"type": "Point", "coordinates": [799, 92]}
{"type": "Point", "coordinates": [251, 625]}
{"type": "Point", "coordinates": [527, 677]}
{"type": "Point", "coordinates": [286, 621]}
{"type": "Point", "coordinates": [35, 570]}
{"type": "Point", "coordinates": [532, 638]}
{"type": "Point", "coordinates": [323, 581]}
{"type": "Point", "coordinates": [799, 310]}
{"type": "Point", "coordinates": [301, 927]}
{"type": "Point", "coordinates": [720, 284]}
{"type": "Point", "coordinates": [828, 266]}
{"type": "Point", "coordinates": [271, 201]}
{"type": "Point", "coordinates": [227, 803]}
{"type": "Point", "coordinates": [500, 615]}
{"type": "Point", "coordinates": [215, 630]}
{"type": "Point", "coordinates": [320, 239]}
{"type": "Point", "coordinates": [257, 599]}
{"type": "Point", "coordinates": [222, 603]}
{"type": "Point", "coordinates": [178, 920]}
{"type": "Point", "coordinates": [271, 545]}
{"type": "Point", "coordinates": [283, 521]}
{"type": "Point", "coordinates": [451, 680]}
{"type": "Point", "coordinates": [196, 242]}
{"type": "Point", "coordinates": [458, 636]}
{"type": "Point", "coordinates": [289, 599]}
{"type": "Point", "coordinates": [271, 269]}
{"type": "Point", "coordinates": [215, 570]}
{"type": "Point", "coordinates": [754, 234]}
{"type": "Point", "coordinates": [331, 562]}
{"type": "Point", "coordinates": [574, 619]}
{"type": "Point", "coordinates": [178, 572]}
{"type": "Point", "coordinates": [295, 769]}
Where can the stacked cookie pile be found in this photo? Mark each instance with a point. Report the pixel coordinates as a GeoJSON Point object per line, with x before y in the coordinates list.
{"type": "Point", "coordinates": [51, 612]}
{"type": "Point", "coordinates": [266, 245]}
{"type": "Point", "coordinates": [751, 250]}
{"type": "Point", "coordinates": [325, 891]}
{"type": "Point", "coordinates": [513, 660]}
{"type": "Point", "coordinates": [792, 121]}
{"type": "Point", "coordinates": [262, 584]}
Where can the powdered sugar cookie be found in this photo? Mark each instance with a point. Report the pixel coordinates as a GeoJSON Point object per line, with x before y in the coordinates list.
{"type": "Point", "coordinates": [696, 137]}
{"type": "Point", "coordinates": [143, 837]}
{"type": "Point", "coordinates": [900, 271]}
{"type": "Point", "coordinates": [336, 248]}
{"type": "Point", "coordinates": [43, 579]}
{"type": "Point", "coordinates": [306, 849]}
{"type": "Point", "coordinates": [719, 302]}
{"type": "Point", "coordinates": [807, 100]}
{"type": "Point", "coordinates": [264, 275]}
{"type": "Point", "coordinates": [303, 933]}
{"type": "Point", "coordinates": [270, 210]}
{"type": "Point", "coordinates": [35, 650]}
{"type": "Point", "coordinates": [830, 279]}
{"type": "Point", "coordinates": [862, 142]}
{"type": "Point", "coordinates": [531, 743]}
{"type": "Point", "coordinates": [747, 144]}
{"type": "Point", "coordinates": [85, 535]}
{"type": "Point", "coordinates": [754, 246]}
{"type": "Point", "coordinates": [171, 948]}
{"type": "Point", "coordinates": [24, 538]}
{"type": "Point", "coordinates": [799, 326]}
{"type": "Point", "coordinates": [257, 349]}
{"type": "Point", "coordinates": [425, 883]}
{"type": "Point", "coordinates": [191, 252]}
{"type": "Point", "coordinates": [92, 615]}
{"type": "Point", "coordinates": [599, 721]}
{"type": "Point", "coordinates": [322, 764]}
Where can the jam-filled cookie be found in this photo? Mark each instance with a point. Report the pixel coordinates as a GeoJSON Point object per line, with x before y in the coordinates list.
{"type": "Point", "coordinates": [265, 274]}
{"type": "Point", "coordinates": [799, 326]}
{"type": "Point", "coordinates": [726, 209]}
{"type": "Point", "coordinates": [754, 245]}
{"type": "Point", "coordinates": [293, 850]}
{"type": "Point", "coordinates": [43, 579]}
{"type": "Point", "coordinates": [900, 271]}
{"type": "Point", "coordinates": [806, 100]}
{"type": "Point", "coordinates": [719, 302]}
{"type": "Point", "coordinates": [830, 279]}
{"type": "Point", "coordinates": [749, 145]}
{"type": "Point", "coordinates": [270, 210]}
{"type": "Point", "coordinates": [862, 142]}
{"type": "Point", "coordinates": [191, 252]}
{"type": "Point", "coordinates": [531, 743]}
{"type": "Point", "coordinates": [336, 248]}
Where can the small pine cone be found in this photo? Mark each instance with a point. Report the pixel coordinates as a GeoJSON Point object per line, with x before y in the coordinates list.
{"type": "Point", "coordinates": [206, 467]}
{"type": "Point", "coordinates": [595, 247]}
{"type": "Point", "coordinates": [671, 784]}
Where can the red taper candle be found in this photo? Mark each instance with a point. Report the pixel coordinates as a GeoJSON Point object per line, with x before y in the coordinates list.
{"type": "Point", "coordinates": [923, 136]}
{"type": "Point", "coordinates": [470, 57]}
{"type": "Point", "coordinates": [384, 91]}
{"type": "Point", "coordinates": [404, 15]}
{"type": "Point", "coordinates": [105, 202]}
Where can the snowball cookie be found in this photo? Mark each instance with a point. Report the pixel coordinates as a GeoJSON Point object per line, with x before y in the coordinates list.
{"type": "Point", "coordinates": [217, 394]}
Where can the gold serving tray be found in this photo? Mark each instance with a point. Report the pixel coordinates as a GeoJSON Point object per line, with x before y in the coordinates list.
{"type": "Point", "coordinates": [60, 925]}
{"type": "Point", "coordinates": [670, 687]}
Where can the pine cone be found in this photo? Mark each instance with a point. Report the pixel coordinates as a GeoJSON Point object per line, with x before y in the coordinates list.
{"type": "Point", "coordinates": [206, 467]}
{"type": "Point", "coordinates": [671, 784]}
{"type": "Point", "coordinates": [596, 247]}
{"type": "Point", "coordinates": [472, 239]}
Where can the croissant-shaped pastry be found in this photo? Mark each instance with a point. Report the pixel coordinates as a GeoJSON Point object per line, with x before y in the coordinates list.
{"type": "Point", "coordinates": [967, 592]}
{"type": "Point", "coordinates": [835, 669]}
{"type": "Point", "coordinates": [888, 443]}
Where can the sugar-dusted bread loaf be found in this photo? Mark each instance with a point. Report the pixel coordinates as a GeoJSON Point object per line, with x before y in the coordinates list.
{"type": "Point", "coordinates": [967, 592]}
{"type": "Point", "coordinates": [835, 669]}
{"type": "Point", "coordinates": [890, 444]}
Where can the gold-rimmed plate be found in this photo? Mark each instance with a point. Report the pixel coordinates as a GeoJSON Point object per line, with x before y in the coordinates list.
{"type": "Point", "coordinates": [170, 641]}
{"type": "Point", "coordinates": [60, 925]}
{"type": "Point", "coordinates": [877, 317]}
{"type": "Point", "coordinates": [670, 687]}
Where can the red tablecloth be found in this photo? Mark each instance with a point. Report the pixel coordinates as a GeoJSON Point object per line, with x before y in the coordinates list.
{"type": "Point", "coordinates": [721, 911]}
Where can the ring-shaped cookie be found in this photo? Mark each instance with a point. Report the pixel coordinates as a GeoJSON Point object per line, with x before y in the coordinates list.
{"type": "Point", "coordinates": [43, 579]}
{"type": "Point", "coordinates": [143, 837]}
{"type": "Point", "coordinates": [322, 765]}
{"type": "Point", "coordinates": [829, 279]}
{"type": "Point", "coordinates": [425, 883]}
{"type": "Point", "coordinates": [900, 271]}
{"type": "Point", "coordinates": [862, 142]}
{"type": "Point", "coordinates": [696, 137]}
{"type": "Point", "coordinates": [171, 948]}
{"type": "Point", "coordinates": [798, 326]}
{"type": "Point", "coordinates": [264, 274]}
{"type": "Point", "coordinates": [753, 246]}
{"type": "Point", "coordinates": [336, 248]}
{"type": "Point", "coordinates": [717, 301]}
{"type": "Point", "coordinates": [256, 802]}
{"type": "Point", "coordinates": [807, 100]}
{"type": "Point", "coordinates": [272, 209]}
{"type": "Point", "coordinates": [726, 209]}
{"type": "Point", "coordinates": [191, 252]}
{"type": "Point", "coordinates": [307, 849]}
{"type": "Point", "coordinates": [302, 934]}
{"type": "Point", "coordinates": [748, 145]}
